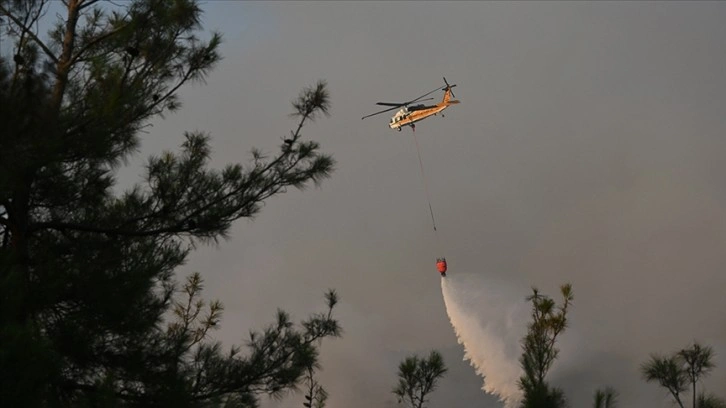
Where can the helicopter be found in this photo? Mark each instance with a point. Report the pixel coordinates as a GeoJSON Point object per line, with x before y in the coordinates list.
{"type": "Point", "coordinates": [409, 114]}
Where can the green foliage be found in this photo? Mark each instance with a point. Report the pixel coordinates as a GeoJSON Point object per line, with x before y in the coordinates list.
{"type": "Point", "coordinates": [710, 401]}
{"type": "Point", "coordinates": [698, 363]}
{"type": "Point", "coordinates": [539, 351]}
{"type": "Point", "coordinates": [667, 372]}
{"type": "Point", "coordinates": [418, 377]}
{"type": "Point", "coordinates": [676, 371]}
{"type": "Point", "coordinates": [90, 311]}
{"type": "Point", "coordinates": [543, 396]}
{"type": "Point", "coordinates": [606, 398]}
{"type": "Point", "coordinates": [316, 396]}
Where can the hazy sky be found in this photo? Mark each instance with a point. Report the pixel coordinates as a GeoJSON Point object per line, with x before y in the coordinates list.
{"type": "Point", "coordinates": [588, 148]}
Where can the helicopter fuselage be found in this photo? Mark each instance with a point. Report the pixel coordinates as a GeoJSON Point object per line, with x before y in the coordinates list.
{"type": "Point", "coordinates": [409, 116]}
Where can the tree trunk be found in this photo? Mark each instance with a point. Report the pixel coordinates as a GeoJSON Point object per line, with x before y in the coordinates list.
{"type": "Point", "coordinates": [694, 393]}
{"type": "Point", "coordinates": [64, 62]}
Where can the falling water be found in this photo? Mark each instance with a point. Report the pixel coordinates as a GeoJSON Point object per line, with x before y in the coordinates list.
{"type": "Point", "coordinates": [489, 322]}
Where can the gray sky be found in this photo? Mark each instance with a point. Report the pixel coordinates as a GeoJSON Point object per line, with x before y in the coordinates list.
{"type": "Point", "coordinates": [588, 148]}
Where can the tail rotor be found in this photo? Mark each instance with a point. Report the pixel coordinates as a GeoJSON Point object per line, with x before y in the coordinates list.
{"type": "Point", "coordinates": [449, 87]}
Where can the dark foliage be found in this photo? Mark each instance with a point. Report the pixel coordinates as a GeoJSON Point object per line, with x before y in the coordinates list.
{"type": "Point", "coordinates": [418, 377]}
{"type": "Point", "coordinates": [539, 351]}
{"type": "Point", "coordinates": [90, 314]}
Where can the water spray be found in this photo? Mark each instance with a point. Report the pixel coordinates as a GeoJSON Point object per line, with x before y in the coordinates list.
{"type": "Point", "coordinates": [489, 325]}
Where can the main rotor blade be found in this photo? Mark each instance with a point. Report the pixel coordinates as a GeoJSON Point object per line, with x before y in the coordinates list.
{"type": "Point", "coordinates": [422, 96]}
{"type": "Point", "coordinates": [401, 104]}
{"type": "Point", "coordinates": [385, 110]}
{"type": "Point", "coordinates": [396, 105]}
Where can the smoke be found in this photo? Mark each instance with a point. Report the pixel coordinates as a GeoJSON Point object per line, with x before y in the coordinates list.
{"type": "Point", "coordinates": [489, 323]}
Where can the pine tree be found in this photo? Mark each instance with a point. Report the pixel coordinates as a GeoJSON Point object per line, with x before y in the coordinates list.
{"type": "Point", "coordinates": [90, 311]}
{"type": "Point", "coordinates": [676, 371]}
{"type": "Point", "coordinates": [539, 351]}
{"type": "Point", "coordinates": [418, 377]}
{"type": "Point", "coordinates": [605, 398]}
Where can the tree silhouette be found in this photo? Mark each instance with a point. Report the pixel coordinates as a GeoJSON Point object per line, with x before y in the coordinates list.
{"type": "Point", "coordinates": [90, 310]}
{"type": "Point", "coordinates": [606, 398]}
{"type": "Point", "coordinates": [316, 396]}
{"type": "Point", "coordinates": [698, 363]}
{"type": "Point", "coordinates": [418, 377]}
{"type": "Point", "coordinates": [539, 351]}
{"type": "Point", "coordinates": [667, 371]}
{"type": "Point", "coordinates": [676, 371]}
{"type": "Point", "coordinates": [710, 401]}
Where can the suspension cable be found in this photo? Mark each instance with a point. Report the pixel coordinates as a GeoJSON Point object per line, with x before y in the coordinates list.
{"type": "Point", "coordinates": [423, 178]}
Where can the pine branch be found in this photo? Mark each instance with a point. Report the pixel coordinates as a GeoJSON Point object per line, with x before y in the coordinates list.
{"type": "Point", "coordinates": [32, 35]}
{"type": "Point", "coordinates": [273, 186]}
{"type": "Point", "coordinates": [86, 3]}
{"type": "Point", "coordinates": [95, 41]}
